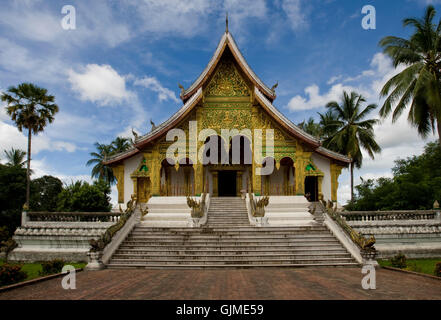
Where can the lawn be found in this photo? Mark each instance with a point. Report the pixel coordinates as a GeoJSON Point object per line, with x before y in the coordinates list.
{"type": "Point", "coordinates": [33, 269]}
{"type": "Point", "coordinates": [417, 265]}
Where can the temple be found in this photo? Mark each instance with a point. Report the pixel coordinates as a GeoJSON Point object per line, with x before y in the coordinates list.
{"type": "Point", "coordinates": [227, 97]}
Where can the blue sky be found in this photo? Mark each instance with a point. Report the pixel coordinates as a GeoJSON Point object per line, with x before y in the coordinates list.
{"type": "Point", "coordinates": [122, 64]}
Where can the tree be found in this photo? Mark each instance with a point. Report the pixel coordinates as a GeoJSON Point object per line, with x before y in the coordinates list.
{"type": "Point", "coordinates": [15, 157]}
{"type": "Point", "coordinates": [100, 170]}
{"type": "Point", "coordinates": [419, 83]}
{"type": "Point", "coordinates": [351, 131]}
{"type": "Point", "coordinates": [44, 193]}
{"type": "Point", "coordinates": [84, 197]}
{"type": "Point", "coordinates": [416, 184]}
{"type": "Point", "coordinates": [30, 107]}
{"type": "Point", "coordinates": [326, 122]}
{"type": "Point", "coordinates": [120, 144]}
{"type": "Point", "coordinates": [311, 127]}
{"type": "Point", "coordinates": [12, 196]}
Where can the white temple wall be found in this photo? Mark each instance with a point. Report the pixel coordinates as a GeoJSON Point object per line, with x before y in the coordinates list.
{"type": "Point", "coordinates": [130, 165]}
{"type": "Point", "coordinates": [325, 166]}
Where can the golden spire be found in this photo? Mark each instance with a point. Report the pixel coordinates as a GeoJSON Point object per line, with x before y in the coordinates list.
{"type": "Point", "coordinates": [226, 23]}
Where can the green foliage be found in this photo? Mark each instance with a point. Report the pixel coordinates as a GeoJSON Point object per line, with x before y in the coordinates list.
{"type": "Point", "coordinates": [418, 85]}
{"type": "Point", "coordinates": [311, 127]}
{"type": "Point", "coordinates": [437, 271]}
{"type": "Point", "coordinates": [15, 157]}
{"type": "Point", "coordinates": [84, 197]}
{"type": "Point", "coordinates": [10, 274]}
{"type": "Point", "coordinates": [12, 196]}
{"type": "Point", "coordinates": [416, 184]}
{"type": "Point", "coordinates": [100, 170]}
{"type": "Point", "coordinates": [52, 267]}
{"type": "Point", "coordinates": [399, 261]}
{"type": "Point", "coordinates": [44, 193]}
{"type": "Point", "coordinates": [4, 234]}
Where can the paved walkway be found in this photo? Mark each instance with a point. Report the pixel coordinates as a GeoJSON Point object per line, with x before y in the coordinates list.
{"type": "Point", "coordinates": [302, 283]}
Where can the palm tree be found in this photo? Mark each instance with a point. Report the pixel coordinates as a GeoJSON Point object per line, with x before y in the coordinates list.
{"type": "Point", "coordinates": [120, 144]}
{"type": "Point", "coordinates": [352, 132]}
{"type": "Point", "coordinates": [100, 170]}
{"type": "Point", "coordinates": [30, 107]}
{"type": "Point", "coordinates": [327, 121]}
{"type": "Point", "coordinates": [419, 83]}
{"type": "Point", "coordinates": [15, 157]}
{"type": "Point", "coordinates": [311, 127]}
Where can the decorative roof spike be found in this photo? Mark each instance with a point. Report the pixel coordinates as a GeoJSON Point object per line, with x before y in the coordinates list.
{"type": "Point", "coordinates": [182, 89]}
{"type": "Point", "coordinates": [226, 23]}
{"type": "Point", "coordinates": [273, 88]}
{"type": "Point", "coordinates": [135, 135]}
{"type": "Point", "coordinates": [153, 125]}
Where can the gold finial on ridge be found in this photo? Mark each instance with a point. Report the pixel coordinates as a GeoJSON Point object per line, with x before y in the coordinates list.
{"type": "Point", "coordinates": [226, 23]}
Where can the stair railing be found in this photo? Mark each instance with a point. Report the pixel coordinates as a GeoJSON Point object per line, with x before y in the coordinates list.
{"type": "Point", "coordinates": [101, 249]}
{"type": "Point", "coordinates": [256, 208]}
{"type": "Point", "coordinates": [365, 245]}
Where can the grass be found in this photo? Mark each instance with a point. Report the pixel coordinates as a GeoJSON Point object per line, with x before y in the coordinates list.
{"type": "Point", "coordinates": [426, 266]}
{"type": "Point", "coordinates": [33, 269]}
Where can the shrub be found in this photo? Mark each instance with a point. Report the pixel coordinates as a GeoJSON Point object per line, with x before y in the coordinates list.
{"type": "Point", "coordinates": [414, 267]}
{"type": "Point", "coordinates": [437, 271]}
{"type": "Point", "coordinates": [4, 234]}
{"type": "Point", "coordinates": [10, 274]}
{"type": "Point", "coordinates": [51, 267]}
{"type": "Point", "coordinates": [399, 261]}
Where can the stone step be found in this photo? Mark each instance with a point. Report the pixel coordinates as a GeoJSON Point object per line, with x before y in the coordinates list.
{"type": "Point", "coordinates": [256, 261]}
{"type": "Point", "coordinates": [230, 242]}
{"type": "Point", "coordinates": [226, 233]}
{"type": "Point", "coordinates": [235, 266]}
{"type": "Point", "coordinates": [263, 237]}
{"type": "Point", "coordinates": [269, 246]}
{"type": "Point", "coordinates": [140, 227]}
{"type": "Point", "coordinates": [253, 256]}
{"type": "Point", "coordinates": [223, 251]}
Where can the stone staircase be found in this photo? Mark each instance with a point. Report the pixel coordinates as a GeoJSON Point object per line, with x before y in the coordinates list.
{"type": "Point", "coordinates": [228, 240]}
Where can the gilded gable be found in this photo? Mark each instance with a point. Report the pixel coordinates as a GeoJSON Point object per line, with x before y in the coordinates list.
{"type": "Point", "coordinates": [227, 81]}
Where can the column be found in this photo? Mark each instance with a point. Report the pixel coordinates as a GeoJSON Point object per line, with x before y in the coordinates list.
{"type": "Point", "coordinates": [156, 172]}
{"type": "Point", "coordinates": [335, 173]}
{"type": "Point", "coordinates": [198, 178]}
{"type": "Point", "coordinates": [239, 174]}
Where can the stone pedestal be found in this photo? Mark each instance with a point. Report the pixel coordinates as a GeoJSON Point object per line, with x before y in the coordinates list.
{"type": "Point", "coordinates": [95, 262]}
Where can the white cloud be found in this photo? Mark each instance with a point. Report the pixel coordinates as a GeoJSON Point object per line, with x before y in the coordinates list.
{"type": "Point", "coordinates": [295, 13]}
{"type": "Point", "coordinates": [185, 18]}
{"type": "Point", "coordinates": [12, 138]}
{"type": "Point", "coordinates": [153, 84]}
{"type": "Point", "coordinates": [34, 20]}
{"type": "Point", "coordinates": [315, 99]}
{"type": "Point", "coordinates": [334, 79]}
{"type": "Point", "coordinates": [100, 84]}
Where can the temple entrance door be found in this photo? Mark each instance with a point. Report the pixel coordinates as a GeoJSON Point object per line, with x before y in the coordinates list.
{"type": "Point", "coordinates": [143, 189]}
{"type": "Point", "coordinates": [311, 188]}
{"type": "Point", "coordinates": [227, 183]}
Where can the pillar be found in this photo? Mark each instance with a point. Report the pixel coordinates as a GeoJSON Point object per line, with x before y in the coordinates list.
{"type": "Point", "coordinates": [156, 172]}
{"type": "Point", "coordinates": [335, 173]}
{"type": "Point", "coordinates": [198, 178]}
{"type": "Point", "coordinates": [118, 172]}
{"type": "Point", "coordinates": [239, 175]}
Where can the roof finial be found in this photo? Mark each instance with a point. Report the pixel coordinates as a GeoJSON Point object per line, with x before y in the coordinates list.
{"type": "Point", "coordinates": [226, 23]}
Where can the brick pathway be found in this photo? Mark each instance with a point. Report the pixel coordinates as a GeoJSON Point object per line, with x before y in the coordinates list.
{"type": "Point", "coordinates": [302, 283]}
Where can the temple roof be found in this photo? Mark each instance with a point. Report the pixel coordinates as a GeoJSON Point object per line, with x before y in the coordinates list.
{"type": "Point", "coordinates": [227, 40]}
{"type": "Point", "coordinates": [193, 95]}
